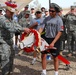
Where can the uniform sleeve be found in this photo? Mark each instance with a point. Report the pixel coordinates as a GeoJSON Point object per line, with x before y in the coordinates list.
{"type": "Point", "coordinates": [12, 26]}
{"type": "Point", "coordinates": [21, 22]}
{"type": "Point", "coordinates": [60, 26]}
{"type": "Point", "coordinates": [20, 15]}
{"type": "Point", "coordinates": [18, 27]}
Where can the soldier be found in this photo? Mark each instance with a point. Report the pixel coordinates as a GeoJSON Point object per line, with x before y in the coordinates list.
{"type": "Point", "coordinates": [25, 20]}
{"type": "Point", "coordinates": [62, 47]}
{"type": "Point", "coordinates": [7, 28]}
{"type": "Point", "coordinates": [71, 30]}
{"type": "Point", "coordinates": [23, 12]}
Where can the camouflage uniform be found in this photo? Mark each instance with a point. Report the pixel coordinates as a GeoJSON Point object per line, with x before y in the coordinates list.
{"type": "Point", "coordinates": [7, 28]}
{"type": "Point", "coordinates": [25, 22]}
{"type": "Point", "coordinates": [23, 12]}
{"type": "Point", "coordinates": [64, 36]}
{"type": "Point", "coordinates": [71, 31]}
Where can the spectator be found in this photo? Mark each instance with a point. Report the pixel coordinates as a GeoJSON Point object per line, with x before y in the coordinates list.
{"type": "Point", "coordinates": [46, 13]}
{"type": "Point", "coordinates": [43, 11]}
{"type": "Point", "coordinates": [23, 12]}
{"type": "Point", "coordinates": [25, 21]}
{"type": "Point", "coordinates": [36, 24]}
{"type": "Point", "coordinates": [32, 14]}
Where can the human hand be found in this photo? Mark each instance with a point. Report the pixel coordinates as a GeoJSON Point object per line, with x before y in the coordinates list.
{"type": "Point", "coordinates": [51, 45]}
{"type": "Point", "coordinates": [27, 30]}
{"type": "Point", "coordinates": [36, 23]}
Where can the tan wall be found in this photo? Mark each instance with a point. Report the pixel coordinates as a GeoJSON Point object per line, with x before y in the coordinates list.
{"type": "Point", "coordinates": [66, 10]}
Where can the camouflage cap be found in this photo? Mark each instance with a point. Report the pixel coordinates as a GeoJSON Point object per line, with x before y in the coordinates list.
{"type": "Point", "coordinates": [26, 6]}
{"type": "Point", "coordinates": [72, 7]}
{"type": "Point", "coordinates": [27, 12]}
{"type": "Point", "coordinates": [38, 12]}
{"type": "Point", "coordinates": [55, 6]}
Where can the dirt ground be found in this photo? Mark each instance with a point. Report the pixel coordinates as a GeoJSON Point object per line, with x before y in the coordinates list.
{"type": "Point", "coordinates": [22, 65]}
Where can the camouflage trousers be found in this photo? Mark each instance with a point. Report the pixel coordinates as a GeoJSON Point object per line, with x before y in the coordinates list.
{"type": "Point", "coordinates": [62, 41]}
{"type": "Point", "coordinates": [71, 41]}
{"type": "Point", "coordinates": [7, 63]}
{"type": "Point", "coordinates": [62, 45]}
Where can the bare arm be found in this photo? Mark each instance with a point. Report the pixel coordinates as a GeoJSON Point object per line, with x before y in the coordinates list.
{"type": "Point", "coordinates": [56, 38]}
{"type": "Point", "coordinates": [40, 30]}
{"type": "Point", "coordinates": [33, 25]}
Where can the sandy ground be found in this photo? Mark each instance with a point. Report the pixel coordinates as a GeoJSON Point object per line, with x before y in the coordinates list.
{"type": "Point", "coordinates": [22, 66]}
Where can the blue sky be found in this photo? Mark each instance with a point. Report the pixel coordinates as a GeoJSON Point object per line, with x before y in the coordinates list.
{"type": "Point", "coordinates": [62, 3]}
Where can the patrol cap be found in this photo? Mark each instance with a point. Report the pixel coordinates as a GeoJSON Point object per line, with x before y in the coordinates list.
{"type": "Point", "coordinates": [55, 6]}
{"type": "Point", "coordinates": [27, 12]}
{"type": "Point", "coordinates": [72, 7]}
{"type": "Point", "coordinates": [26, 6]}
{"type": "Point", "coordinates": [38, 12]}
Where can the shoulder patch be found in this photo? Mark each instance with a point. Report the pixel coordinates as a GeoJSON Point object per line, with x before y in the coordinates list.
{"type": "Point", "coordinates": [6, 20]}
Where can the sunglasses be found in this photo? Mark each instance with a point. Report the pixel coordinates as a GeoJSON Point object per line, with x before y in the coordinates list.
{"type": "Point", "coordinates": [51, 10]}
